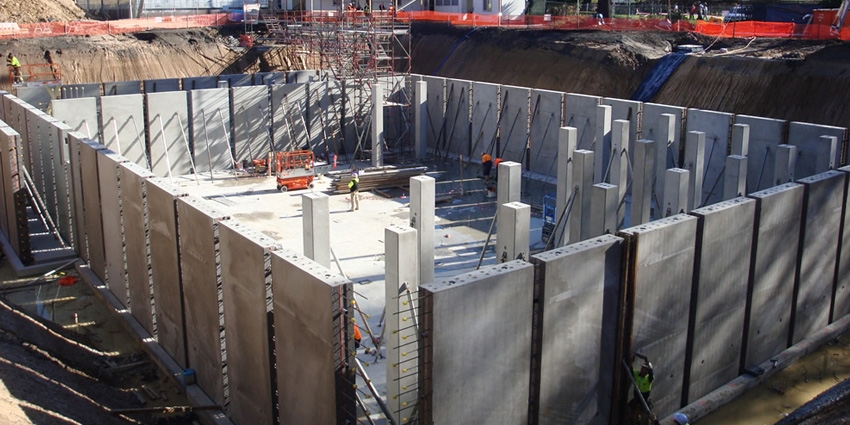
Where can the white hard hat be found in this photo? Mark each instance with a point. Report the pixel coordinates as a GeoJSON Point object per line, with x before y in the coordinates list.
{"type": "Point", "coordinates": [680, 418]}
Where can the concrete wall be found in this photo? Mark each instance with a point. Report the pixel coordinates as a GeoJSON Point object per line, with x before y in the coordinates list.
{"type": "Point", "coordinates": [79, 114]}
{"type": "Point", "coordinates": [110, 213]}
{"type": "Point", "coordinates": [436, 99]}
{"type": "Point", "coordinates": [841, 299]}
{"type": "Point", "coordinates": [629, 110]}
{"type": "Point", "coordinates": [251, 122]}
{"type": "Point", "coordinates": [210, 130]}
{"type": "Point", "coordinates": [458, 93]}
{"type": "Point", "coordinates": [580, 112]}
{"type": "Point", "coordinates": [716, 126]}
{"type": "Point", "coordinates": [514, 125]}
{"type": "Point", "coordinates": [122, 87]}
{"type": "Point", "coordinates": [168, 125]}
{"type": "Point", "coordinates": [289, 101]}
{"type": "Point", "coordinates": [93, 224]}
{"type": "Point", "coordinates": [161, 85]}
{"type": "Point", "coordinates": [765, 135]}
{"type": "Point", "coordinates": [806, 137]}
{"type": "Point", "coordinates": [544, 130]}
{"type": "Point", "coordinates": [485, 118]}
{"type": "Point", "coordinates": [123, 127]}
{"type": "Point", "coordinates": [133, 180]}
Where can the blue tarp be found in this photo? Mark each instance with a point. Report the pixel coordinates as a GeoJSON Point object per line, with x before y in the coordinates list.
{"type": "Point", "coordinates": [657, 76]}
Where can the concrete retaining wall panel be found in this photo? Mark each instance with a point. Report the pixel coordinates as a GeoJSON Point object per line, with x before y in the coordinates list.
{"type": "Point", "coordinates": [79, 114]}
{"type": "Point", "coordinates": [651, 119]}
{"type": "Point", "coordinates": [78, 209]}
{"type": "Point", "coordinates": [110, 212]}
{"type": "Point", "coordinates": [135, 225]}
{"type": "Point", "coordinates": [806, 136]}
{"type": "Point", "coordinates": [38, 96]}
{"type": "Point", "coordinates": [544, 131]}
{"type": "Point", "coordinates": [630, 110]}
{"type": "Point", "coordinates": [484, 118]}
{"type": "Point", "coordinates": [288, 103]}
{"type": "Point", "coordinates": [765, 135]}
{"type": "Point", "coordinates": [436, 108]}
{"type": "Point", "coordinates": [725, 230]}
{"type": "Point", "coordinates": [318, 104]}
{"type": "Point", "coordinates": [309, 331]}
{"type": "Point", "coordinates": [663, 261]}
{"type": "Point", "coordinates": [303, 76]}
{"type": "Point", "coordinates": [717, 129]}
{"type": "Point", "coordinates": [76, 91]}
{"type": "Point", "coordinates": [245, 263]}
{"type": "Point", "coordinates": [118, 88]}
{"type": "Point", "coordinates": [92, 207]}
{"type": "Point", "coordinates": [38, 146]}
{"type": "Point", "coordinates": [123, 126]}
{"type": "Point", "coordinates": [251, 122]}
{"type": "Point", "coordinates": [237, 80]}
{"type": "Point", "coordinates": [161, 85]}
{"type": "Point", "coordinates": [167, 120]}
{"type": "Point", "coordinates": [457, 116]}
{"type": "Point", "coordinates": [514, 126]}
{"type": "Point", "coordinates": [211, 130]}
{"type": "Point", "coordinates": [165, 267]}
{"type": "Point", "coordinates": [198, 83]}
{"type": "Point", "coordinates": [62, 174]}
{"type": "Point", "coordinates": [779, 212]}
{"type": "Point", "coordinates": [269, 78]}
{"type": "Point", "coordinates": [491, 303]}
{"type": "Point", "coordinates": [580, 112]}
{"type": "Point", "coordinates": [841, 301]}
{"type": "Point", "coordinates": [824, 204]}
{"type": "Point", "coordinates": [9, 146]}
{"type": "Point", "coordinates": [575, 368]}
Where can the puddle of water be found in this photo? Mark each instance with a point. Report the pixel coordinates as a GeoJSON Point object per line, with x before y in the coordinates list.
{"type": "Point", "coordinates": [789, 389]}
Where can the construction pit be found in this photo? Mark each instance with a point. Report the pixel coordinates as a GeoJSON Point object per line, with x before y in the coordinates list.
{"type": "Point", "coordinates": [362, 244]}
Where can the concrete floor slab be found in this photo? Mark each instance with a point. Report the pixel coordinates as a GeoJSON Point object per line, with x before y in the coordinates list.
{"type": "Point", "coordinates": [841, 297]}
{"type": "Point", "coordinates": [813, 298]}
{"type": "Point", "coordinates": [133, 180]}
{"type": "Point", "coordinates": [717, 129]}
{"type": "Point", "coordinates": [779, 212]}
{"type": "Point", "coordinates": [161, 85]}
{"type": "Point", "coordinates": [110, 213]}
{"type": "Point", "coordinates": [484, 118]}
{"type": "Point", "coordinates": [575, 366]}
{"type": "Point", "coordinates": [93, 223]}
{"type": "Point", "coordinates": [436, 111]}
{"type": "Point", "coordinates": [168, 122]}
{"type": "Point", "coordinates": [117, 88]}
{"type": "Point", "coordinates": [79, 114]}
{"type": "Point", "coordinates": [458, 93]}
{"type": "Point", "coordinates": [210, 128]}
{"type": "Point", "coordinates": [123, 128]}
{"type": "Point", "coordinates": [765, 135]}
{"type": "Point", "coordinates": [288, 121]}
{"type": "Point", "coordinates": [725, 232]}
{"type": "Point", "coordinates": [490, 303]}
{"type": "Point", "coordinates": [514, 125]}
{"type": "Point", "coordinates": [806, 137]}
{"type": "Point", "coordinates": [580, 112]}
{"type": "Point", "coordinates": [549, 106]}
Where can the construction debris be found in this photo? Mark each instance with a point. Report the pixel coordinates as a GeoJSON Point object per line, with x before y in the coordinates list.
{"type": "Point", "coordinates": [376, 178]}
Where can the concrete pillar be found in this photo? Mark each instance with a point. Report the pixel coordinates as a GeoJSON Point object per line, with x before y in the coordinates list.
{"type": "Point", "coordinates": [317, 228]}
{"type": "Point", "coordinates": [735, 178]}
{"type": "Point", "coordinates": [695, 164]}
{"type": "Point", "coordinates": [582, 180]}
{"type": "Point", "coordinates": [377, 125]}
{"type": "Point", "coordinates": [665, 138]}
{"type": "Point", "coordinates": [604, 198]}
{"type": "Point", "coordinates": [567, 139]}
{"type": "Point", "coordinates": [508, 186]}
{"type": "Point", "coordinates": [676, 192]}
{"type": "Point", "coordinates": [420, 124]}
{"type": "Point", "coordinates": [825, 156]}
{"type": "Point", "coordinates": [400, 333]}
{"type": "Point", "coordinates": [620, 164]}
{"type": "Point", "coordinates": [422, 219]}
{"type": "Point", "coordinates": [786, 163]}
{"type": "Point", "coordinates": [603, 140]}
{"type": "Point", "coordinates": [512, 241]}
{"type": "Point", "coordinates": [644, 175]}
{"type": "Point", "coordinates": [741, 139]}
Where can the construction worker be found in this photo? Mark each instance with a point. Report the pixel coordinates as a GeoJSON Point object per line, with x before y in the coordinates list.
{"type": "Point", "coordinates": [357, 337]}
{"type": "Point", "coordinates": [354, 189]}
{"type": "Point", "coordinates": [644, 378]}
{"type": "Point", "coordinates": [15, 64]}
{"type": "Point", "coordinates": [680, 418]}
{"type": "Point", "coordinates": [486, 166]}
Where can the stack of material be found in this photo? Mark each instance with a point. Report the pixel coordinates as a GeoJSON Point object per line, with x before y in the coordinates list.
{"type": "Point", "coordinates": [378, 178]}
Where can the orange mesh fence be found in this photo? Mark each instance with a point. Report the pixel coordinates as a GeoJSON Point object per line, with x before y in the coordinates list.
{"type": "Point", "coordinates": [49, 29]}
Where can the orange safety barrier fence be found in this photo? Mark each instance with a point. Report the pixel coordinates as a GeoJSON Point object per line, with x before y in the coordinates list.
{"type": "Point", "coordinates": [51, 29]}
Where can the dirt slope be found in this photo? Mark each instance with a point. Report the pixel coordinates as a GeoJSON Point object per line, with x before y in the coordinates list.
{"type": "Point", "coordinates": [30, 11]}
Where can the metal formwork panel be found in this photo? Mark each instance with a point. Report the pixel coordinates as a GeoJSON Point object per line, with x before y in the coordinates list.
{"type": "Point", "coordinates": [198, 83]}
{"type": "Point", "coordinates": [123, 127]}
{"type": "Point", "coordinates": [717, 129]}
{"type": "Point", "coordinates": [251, 122]}
{"type": "Point", "coordinates": [237, 80]}
{"type": "Point", "coordinates": [630, 110]}
{"type": "Point", "coordinates": [161, 85]}
{"type": "Point", "coordinates": [117, 88]}
{"type": "Point", "coordinates": [76, 187]}
{"type": "Point", "coordinates": [165, 267]}
{"type": "Point", "coordinates": [662, 263]}
{"type": "Point", "coordinates": [806, 136]}
{"type": "Point", "coordinates": [436, 112]}
{"type": "Point", "coordinates": [514, 126]}
{"type": "Point", "coordinates": [547, 112]}
{"type": "Point", "coordinates": [485, 118]}
{"type": "Point", "coordinates": [725, 235]}
{"type": "Point", "coordinates": [824, 203]}
{"type": "Point", "coordinates": [779, 212]}
{"type": "Point", "coordinates": [110, 212]}
{"type": "Point", "coordinates": [211, 130]}
{"type": "Point", "coordinates": [457, 117]}
{"type": "Point", "coordinates": [199, 271]}
{"type": "Point", "coordinates": [313, 341]}
{"type": "Point", "coordinates": [289, 101]}
{"type": "Point", "coordinates": [765, 135]}
{"type": "Point", "coordinates": [841, 298]}
{"type": "Point", "coordinates": [79, 114]}
{"type": "Point", "coordinates": [9, 155]}
{"type": "Point", "coordinates": [580, 112]}
{"type": "Point", "coordinates": [92, 218]}
{"type": "Point", "coordinates": [135, 226]}
{"type": "Point", "coordinates": [580, 285]}
{"type": "Point", "coordinates": [489, 303]}
{"type": "Point", "coordinates": [650, 129]}
{"type": "Point", "coordinates": [77, 91]}
{"type": "Point", "coordinates": [246, 292]}
{"type": "Point", "coordinates": [168, 127]}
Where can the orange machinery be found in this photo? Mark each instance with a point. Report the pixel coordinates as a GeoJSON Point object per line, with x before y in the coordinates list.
{"type": "Point", "coordinates": [294, 170]}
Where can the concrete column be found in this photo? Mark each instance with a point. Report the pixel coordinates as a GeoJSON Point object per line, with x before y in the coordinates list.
{"type": "Point", "coordinates": [735, 178]}
{"type": "Point", "coordinates": [582, 180]}
{"type": "Point", "coordinates": [825, 156]}
{"type": "Point", "coordinates": [741, 139]}
{"type": "Point", "coordinates": [420, 123]}
{"type": "Point", "coordinates": [512, 241]}
{"type": "Point", "coordinates": [695, 164]}
{"type": "Point", "coordinates": [603, 140]}
{"type": "Point", "coordinates": [604, 198]}
{"type": "Point", "coordinates": [422, 219]}
{"type": "Point", "coordinates": [644, 175]}
{"type": "Point", "coordinates": [620, 164]}
{"type": "Point", "coordinates": [377, 125]}
{"type": "Point", "coordinates": [665, 138]}
{"type": "Point", "coordinates": [400, 333]}
{"type": "Point", "coordinates": [508, 186]}
{"type": "Point", "coordinates": [676, 192]}
{"type": "Point", "coordinates": [567, 139]}
{"type": "Point", "coordinates": [786, 163]}
{"type": "Point", "coordinates": [317, 228]}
